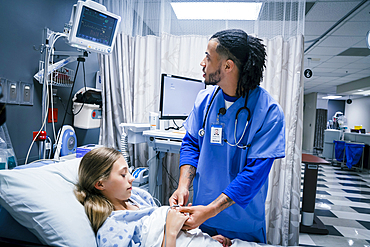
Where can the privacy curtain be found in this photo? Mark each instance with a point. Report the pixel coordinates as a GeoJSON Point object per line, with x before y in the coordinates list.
{"type": "Point", "coordinates": [154, 43]}
{"type": "Point", "coordinates": [283, 80]}
{"type": "Point", "coordinates": [131, 80]}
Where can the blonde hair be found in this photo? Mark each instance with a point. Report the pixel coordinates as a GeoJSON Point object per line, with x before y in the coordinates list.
{"type": "Point", "coordinates": [95, 166]}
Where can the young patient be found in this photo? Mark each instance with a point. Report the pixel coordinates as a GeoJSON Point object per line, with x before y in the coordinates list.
{"type": "Point", "coordinates": [121, 215]}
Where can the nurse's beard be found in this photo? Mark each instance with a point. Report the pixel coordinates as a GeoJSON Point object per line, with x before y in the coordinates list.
{"type": "Point", "coordinates": [214, 78]}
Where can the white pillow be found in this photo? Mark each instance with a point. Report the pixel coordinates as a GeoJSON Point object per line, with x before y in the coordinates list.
{"type": "Point", "coordinates": [42, 200]}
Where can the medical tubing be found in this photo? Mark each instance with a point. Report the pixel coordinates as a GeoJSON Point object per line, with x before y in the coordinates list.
{"type": "Point", "coordinates": [51, 148]}
{"type": "Point", "coordinates": [51, 58]}
{"type": "Point", "coordinates": [124, 147]}
{"type": "Point", "coordinates": [177, 127]}
{"type": "Point", "coordinates": [159, 204]}
{"type": "Point", "coordinates": [83, 103]}
{"type": "Point", "coordinates": [58, 35]}
{"type": "Point", "coordinates": [170, 176]}
{"type": "Point", "coordinates": [155, 175]}
{"type": "Point", "coordinates": [64, 106]}
{"type": "Point", "coordinates": [51, 90]}
{"type": "Point", "coordinates": [47, 104]}
{"type": "Point", "coordinates": [38, 133]}
{"type": "Point", "coordinates": [55, 160]}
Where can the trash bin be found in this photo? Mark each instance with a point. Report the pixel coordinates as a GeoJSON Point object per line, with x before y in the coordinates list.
{"type": "Point", "coordinates": [339, 150]}
{"type": "Point", "coordinates": [353, 153]}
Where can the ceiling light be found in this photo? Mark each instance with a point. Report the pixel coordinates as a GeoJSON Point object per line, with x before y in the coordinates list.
{"type": "Point", "coordinates": [216, 10]}
{"type": "Point", "coordinates": [332, 97]}
{"type": "Point", "coordinates": [362, 92]}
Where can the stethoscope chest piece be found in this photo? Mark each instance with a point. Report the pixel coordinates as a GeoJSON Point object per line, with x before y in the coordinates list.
{"type": "Point", "coordinates": [201, 132]}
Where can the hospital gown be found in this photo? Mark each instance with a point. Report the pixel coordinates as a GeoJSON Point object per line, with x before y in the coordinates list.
{"type": "Point", "coordinates": [125, 227]}
{"type": "Point", "coordinates": [145, 227]}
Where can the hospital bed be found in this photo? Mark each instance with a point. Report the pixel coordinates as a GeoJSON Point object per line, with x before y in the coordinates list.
{"type": "Point", "coordinates": [38, 206]}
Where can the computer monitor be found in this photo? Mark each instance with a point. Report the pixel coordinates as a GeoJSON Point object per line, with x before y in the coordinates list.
{"type": "Point", "coordinates": [92, 27]}
{"type": "Point", "coordinates": [178, 95]}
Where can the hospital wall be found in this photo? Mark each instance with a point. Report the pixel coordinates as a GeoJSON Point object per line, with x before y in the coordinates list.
{"type": "Point", "coordinates": [22, 23]}
{"type": "Point", "coordinates": [309, 119]}
{"type": "Point", "coordinates": [358, 113]}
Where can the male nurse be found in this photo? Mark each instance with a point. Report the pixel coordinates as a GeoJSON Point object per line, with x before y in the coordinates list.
{"type": "Point", "coordinates": [233, 135]}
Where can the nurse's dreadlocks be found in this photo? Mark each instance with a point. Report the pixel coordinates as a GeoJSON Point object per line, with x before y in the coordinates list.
{"type": "Point", "coordinates": [247, 52]}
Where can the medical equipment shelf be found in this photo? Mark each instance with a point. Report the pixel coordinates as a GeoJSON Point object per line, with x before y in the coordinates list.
{"type": "Point", "coordinates": [164, 141]}
{"type": "Point", "coordinates": [61, 77]}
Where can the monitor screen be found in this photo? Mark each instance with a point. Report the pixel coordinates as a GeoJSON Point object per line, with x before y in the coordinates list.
{"type": "Point", "coordinates": [96, 26]}
{"type": "Point", "coordinates": [178, 95]}
{"type": "Point", "coordinates": [93, 28]}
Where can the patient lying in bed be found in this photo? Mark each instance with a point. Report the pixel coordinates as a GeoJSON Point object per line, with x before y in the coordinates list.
{"type": "Point", "coordinates": [125, 216]}
{"type": "Point", "coordinates": [40, 199]}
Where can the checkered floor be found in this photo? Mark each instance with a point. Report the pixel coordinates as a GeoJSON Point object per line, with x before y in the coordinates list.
{"type": "Point", "coordinates": [343, 205]}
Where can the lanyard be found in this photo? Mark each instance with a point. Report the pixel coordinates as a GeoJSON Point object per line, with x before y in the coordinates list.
{"type": "Point", "coordinates": [222, 111]}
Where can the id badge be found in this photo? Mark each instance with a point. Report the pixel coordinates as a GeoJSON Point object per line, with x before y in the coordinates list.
{"type": "Point", "coordinates": [216, 134]}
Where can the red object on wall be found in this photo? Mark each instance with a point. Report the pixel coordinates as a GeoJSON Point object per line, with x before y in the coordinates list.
{"type": "Point", "coordinates": [54, 116]}
{"type": "Point", "coordinates": [40, 137]}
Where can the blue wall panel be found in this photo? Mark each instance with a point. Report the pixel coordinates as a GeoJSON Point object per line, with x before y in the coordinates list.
{"type": "Point", "coordinates": [22, 24]}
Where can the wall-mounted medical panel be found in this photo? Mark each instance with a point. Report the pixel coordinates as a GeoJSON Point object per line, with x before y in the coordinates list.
{"type": "Point", "coordinates": [4, 90]}
{"type": "Point", "coordinates": [26, 93]}
{"type": "Point", "coordinates": [13, 92]}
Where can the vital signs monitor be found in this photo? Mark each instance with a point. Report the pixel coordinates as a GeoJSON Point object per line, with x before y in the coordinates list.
{"type": "Point", "coordinates": [92, 27]}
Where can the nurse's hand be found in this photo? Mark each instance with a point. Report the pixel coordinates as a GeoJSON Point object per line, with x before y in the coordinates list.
{"type": "Point", "coordinates": [197, 215]}
{"type": "Point", "coordinates": [179, 197]}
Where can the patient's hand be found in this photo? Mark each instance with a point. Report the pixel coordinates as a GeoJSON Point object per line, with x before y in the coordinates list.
{"type": "Point", "coordinates": [175, 221]}
{"type": "Point", "coordinates": [223, 240]}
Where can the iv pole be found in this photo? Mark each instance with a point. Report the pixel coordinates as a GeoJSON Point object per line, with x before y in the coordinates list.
{"type": "Point", "coordinates": [42, 150]}
{"type": "Point", "coordinates": [45, 78]}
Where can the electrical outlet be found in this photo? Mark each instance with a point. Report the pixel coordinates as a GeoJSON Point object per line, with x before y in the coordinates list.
{"type": "Point", "coordinates": [26, 93]}
{"type": "Point", "coordinates": [13, 92]}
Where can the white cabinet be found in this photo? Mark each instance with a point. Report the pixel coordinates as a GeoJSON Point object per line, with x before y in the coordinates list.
{"type": "Point", "coordinates": [329, 136]}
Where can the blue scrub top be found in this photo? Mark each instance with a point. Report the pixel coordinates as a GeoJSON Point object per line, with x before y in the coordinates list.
{"type": "Point", "coordinates": [219, 165]}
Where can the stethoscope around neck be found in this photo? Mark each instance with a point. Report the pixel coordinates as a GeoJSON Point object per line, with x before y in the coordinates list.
{"type": "Point", "coordinates": [222, 111]}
